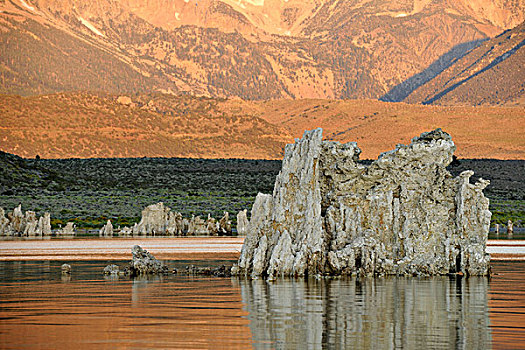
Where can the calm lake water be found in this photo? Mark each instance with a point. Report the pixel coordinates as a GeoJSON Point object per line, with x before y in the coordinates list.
{"type": "Point", "coordinates": [39, 308]}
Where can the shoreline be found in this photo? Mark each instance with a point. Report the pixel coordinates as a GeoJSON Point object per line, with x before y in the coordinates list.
{"type": "Point", "coordinates": [172, 248]}
{"type": "Point", "coordinates": [166, 248]}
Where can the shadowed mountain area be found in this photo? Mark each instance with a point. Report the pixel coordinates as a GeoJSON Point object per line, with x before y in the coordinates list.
{"type": "Point", "coordinates": [403, 90]}
{"type": "Point", "coordinates": [491, 74]}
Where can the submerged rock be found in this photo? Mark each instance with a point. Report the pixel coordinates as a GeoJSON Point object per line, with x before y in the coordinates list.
{"type": "Point", "coordinates": [66, 269]}
{"type": "Point", "coordinates": [404, 214]}
{"type": "Point", "coordinates": [144, 263]}
{"type": "Point", "coordinates": [111, 270]}
{"type": "Point", "coordinates": [219, 271]}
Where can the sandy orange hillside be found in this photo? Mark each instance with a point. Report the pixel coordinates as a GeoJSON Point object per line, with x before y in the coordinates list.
{"type": "Point", "coordinates": [88, 125]}
{"type": "Point", "coordinates": [479, 132]}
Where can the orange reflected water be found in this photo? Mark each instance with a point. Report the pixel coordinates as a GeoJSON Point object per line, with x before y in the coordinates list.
{"type": "Point", "coordinates": [41, 309]}
{"type": "Point", "coordinates": [507, 304]}
{"type": "Point", "coordinates": [87, 311]}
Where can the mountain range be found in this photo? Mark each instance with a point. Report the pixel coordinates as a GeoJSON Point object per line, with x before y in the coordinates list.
{"type": "Point", "coordinates": [264, 49]}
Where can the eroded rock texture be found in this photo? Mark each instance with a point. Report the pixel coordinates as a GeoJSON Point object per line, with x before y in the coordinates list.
{"type": "Point", "coordinates": [19, 224]}
{"type": "Point", "coordinates": [158, 219]}
{"type": "Point", "coordinates": [68, 230]}
{"type": "Point", "coordinates": [106, 230]}
{"type": "Point", "coordinates": [242, 222]}
{"type": "Point", "coordinates": [403, 214]}
{"type": "Point", "coordinates": [142, 263]}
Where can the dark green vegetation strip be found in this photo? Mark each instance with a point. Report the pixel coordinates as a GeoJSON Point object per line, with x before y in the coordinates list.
{"type": "Point", "coordinates": [89, 191]}
{"type": "Point", "coordinates": [506, 190]}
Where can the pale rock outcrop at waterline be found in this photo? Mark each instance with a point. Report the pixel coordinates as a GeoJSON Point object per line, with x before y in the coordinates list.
{"type": "Point", "coordinates": [68, 230]}
{"type": "Point", "coordinates": [142, 263]}
{"type": "Point", "coordinates": [242, 222]}
{"type": "Point", "coordinates": [225, 225]}
{"type": "Point", "coordinates": [158, 219]}
{"type": "Point", "coordinates": [403, 214]}
{"type": "Point", "coordinates": [19, 224]}
{"type": "Point", "coordinates": [106, 230]}
{"type": "Point", "coordinates": [66, 269]}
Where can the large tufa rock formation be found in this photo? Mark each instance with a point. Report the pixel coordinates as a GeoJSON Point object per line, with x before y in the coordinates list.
{"type": "Point", "coordinates": [19, 224]}
{"type": "Point", "coordinates": [155, 219]}
{"type": "Point", "coordinates": [403, 214]}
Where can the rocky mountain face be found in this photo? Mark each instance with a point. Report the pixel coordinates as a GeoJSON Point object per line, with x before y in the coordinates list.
{"type": "Point", "coordinates": [491, 74]}
{"type": "Point", "coordinates": [253, 49]}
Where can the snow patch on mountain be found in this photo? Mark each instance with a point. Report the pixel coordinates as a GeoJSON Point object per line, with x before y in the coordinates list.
{"type": "Point", "coordinates": [26, 5]}
{"type": "Point", "coordinates": [90, 26]}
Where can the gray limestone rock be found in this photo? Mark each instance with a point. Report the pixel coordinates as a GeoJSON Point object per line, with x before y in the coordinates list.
{"type": "Point", "coordinates": [106, 230]}
{"type": "Point", "coordinates": [44, 225]}
{"type": "Point", "coordinates": [111, 269]}
{"type": "Point", "coordinates": [225, 225]}
{"type": "Point", "coordinates": [157, 219]}
{"type": "Point", "coordinates": [242, 222]}
{"type": "Point", "coordinates": [66, 269]}
{"type": "Point", "coordinates": [154, 220]}
{"type": "Point", "coordinates": [126, 231]}
{"type": "Point", "coordinates": [68, 230]}
{"type": "Point", "coordinates": [30, 224]}
{"type": "Point", "coordinates": [197, 227]}
{"type": "Point", "coordinates": [144, 263]}
{"type": "Point", "coordinates": [17, 220]}
{"type": "Point", "coordinates": [19, 224]}
{"type": "Point", "coordinates": [403, 214]}
{"type": "Point", "coordinates": [4, 223]}
{"type": "Point", "coordinates": [212, 226]}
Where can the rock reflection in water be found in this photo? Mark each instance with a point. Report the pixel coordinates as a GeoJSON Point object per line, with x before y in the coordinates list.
{"type": "Point", "coordinates": [382, 313]}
